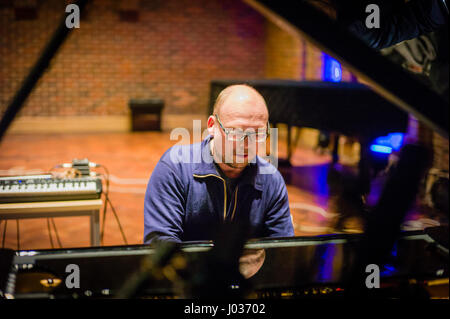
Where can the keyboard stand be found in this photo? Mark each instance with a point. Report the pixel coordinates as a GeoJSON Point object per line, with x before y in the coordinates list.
{"type": "Point", "coordinates": [89, 208]}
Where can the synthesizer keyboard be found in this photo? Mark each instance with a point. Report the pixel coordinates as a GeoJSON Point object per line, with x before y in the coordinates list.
{"type": "Point", "coordinates": [42, 188]}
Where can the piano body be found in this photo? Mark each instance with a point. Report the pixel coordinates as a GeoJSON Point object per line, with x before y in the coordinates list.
{"type": "Point", "coordinates": [316, 267]}
{"type": "Point", "coordinates": [326, 106]}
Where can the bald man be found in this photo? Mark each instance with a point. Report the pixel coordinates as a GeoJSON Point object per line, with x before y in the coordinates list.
{"type": "Point", "coordinates": [188, 200]}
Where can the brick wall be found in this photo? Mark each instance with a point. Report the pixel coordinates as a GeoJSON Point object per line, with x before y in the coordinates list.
{"type": "Point", "coordinates": [441, 158]}
{"type": "Point", "coordinates": [283, 54]}
{"type": "Point", "coordinates": [292, 57]}
{"type": "Point", "coordinates": [169, 49]}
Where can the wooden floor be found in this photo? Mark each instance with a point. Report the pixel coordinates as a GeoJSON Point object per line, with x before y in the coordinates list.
{"type": "Point", "coordinates": [130, 159]}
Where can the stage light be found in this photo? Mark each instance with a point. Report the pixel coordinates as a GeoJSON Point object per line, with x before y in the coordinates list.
{"type": "Point", "coordinates": [387, 144]}
{"type": "Point", "coordinates": [393, 140]}
{"type": "Point", "coordinates": [381, 149]}
{"type": "Point", "coordinates": [332, 70]}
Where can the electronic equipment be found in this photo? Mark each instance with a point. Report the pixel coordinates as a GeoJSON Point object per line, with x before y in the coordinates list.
{"type": "Point", "coordinates": [41, 188]}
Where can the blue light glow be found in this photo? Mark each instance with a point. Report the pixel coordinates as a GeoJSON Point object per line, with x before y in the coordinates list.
{"type": "Point", "coordinates": [388, 270]}
{"type": "Point", "coordinates": [387, 144]}
{"type": "Point", "coordinates": [327, 256]}
{"type": "Point", "coordinates": [332, 70]}
{"type": "Point", "coordinates": [381, 149]}
{"type": "Point", "coordinates": [394, 140]}
{"type": "Point", "coordinates": [394, 250]}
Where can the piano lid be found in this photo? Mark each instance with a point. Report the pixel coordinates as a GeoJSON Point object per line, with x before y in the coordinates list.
{"type": "Point", "coordinates": [387, 79]}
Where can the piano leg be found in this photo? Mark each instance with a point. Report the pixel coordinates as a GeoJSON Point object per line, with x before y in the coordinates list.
{"type": "Point", "coordinates": [335, 154]}
{"type": "Point", "coordinates": [95, 228]}
{"type": "Point", "coordinates": [364, 167]}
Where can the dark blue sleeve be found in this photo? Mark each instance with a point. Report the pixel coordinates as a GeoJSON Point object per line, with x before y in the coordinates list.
{"type": "Point", "coordinates": [164, 205]}
{"type": "Point", "coordinates": [278, 221]}
{"type": "Point", "coordinates": [416, 18]}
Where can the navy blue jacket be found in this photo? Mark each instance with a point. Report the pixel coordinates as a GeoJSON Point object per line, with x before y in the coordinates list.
{"type": "Point", "coordinates": [187, 201]}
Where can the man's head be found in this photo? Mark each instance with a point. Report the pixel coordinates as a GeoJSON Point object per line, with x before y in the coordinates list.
{"type": "Point", "coordinates": [238, 108]}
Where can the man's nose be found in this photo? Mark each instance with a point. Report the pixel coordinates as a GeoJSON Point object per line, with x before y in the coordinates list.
{"type": "Point", "coordinates": [245, 143]}
{"type": "Point", "coordinates": [241, 144]}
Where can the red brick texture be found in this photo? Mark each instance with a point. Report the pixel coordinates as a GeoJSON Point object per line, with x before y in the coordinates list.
{"type": "Point", "coordinates": [291, 57]}
{"type": "Point", "coordinates": [168, 49]}
{"type": "Point", "coordinates": [171, 51]}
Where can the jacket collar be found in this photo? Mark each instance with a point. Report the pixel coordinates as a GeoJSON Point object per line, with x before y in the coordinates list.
{"type": "Point", "coordinates": [207, 167]}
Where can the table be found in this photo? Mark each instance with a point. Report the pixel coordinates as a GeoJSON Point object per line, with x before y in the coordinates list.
{"type": "Point", "coordinates": [89, 208]}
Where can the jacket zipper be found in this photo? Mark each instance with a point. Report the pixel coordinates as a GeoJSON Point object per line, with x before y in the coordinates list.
{"type": "Point", "coordinates": [235, 200]}
{"type": "Point", "coordinates": [225, 194]}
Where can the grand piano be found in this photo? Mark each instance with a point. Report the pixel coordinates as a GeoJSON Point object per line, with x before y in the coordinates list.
{"type": "Point", "coordinates": [301, 267]}
{"type": "Point", "coordinates": [410, 264]}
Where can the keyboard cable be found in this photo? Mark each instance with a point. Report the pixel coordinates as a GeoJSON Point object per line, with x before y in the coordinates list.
{"type": "Point", "coordinates": [108, 201]}
{"type": "Point", "coordinates": [18, 234]}
{"type": "Point", "coordinates": [4, 233]}
{"type": "Point", "coordinates": [50, 233]}
{"type": "Point", "coordinates": [106, 177]}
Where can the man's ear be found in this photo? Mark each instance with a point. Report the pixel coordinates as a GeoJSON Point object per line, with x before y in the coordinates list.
{"type": "Point", "coordinates": [210, 124]}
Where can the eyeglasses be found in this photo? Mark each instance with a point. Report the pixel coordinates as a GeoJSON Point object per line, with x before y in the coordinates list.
{"type": "Point", "coordinates": [238, 135]}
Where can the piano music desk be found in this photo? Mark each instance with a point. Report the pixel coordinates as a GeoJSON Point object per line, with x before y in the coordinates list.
{"type": "Point", "coordinates": [50, 209]}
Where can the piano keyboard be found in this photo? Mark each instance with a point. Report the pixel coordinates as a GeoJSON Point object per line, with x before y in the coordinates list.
{"type": "Point", "coordinates": [41, 188]}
